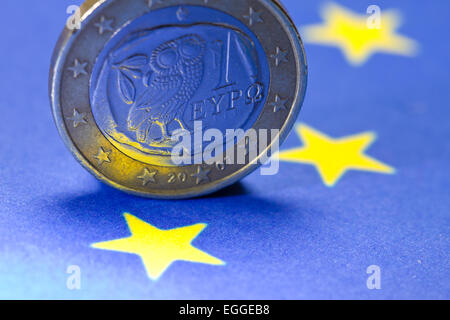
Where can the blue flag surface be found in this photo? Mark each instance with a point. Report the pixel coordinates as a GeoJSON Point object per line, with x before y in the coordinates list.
{"type": "Point", "coordinates": [359, 210]}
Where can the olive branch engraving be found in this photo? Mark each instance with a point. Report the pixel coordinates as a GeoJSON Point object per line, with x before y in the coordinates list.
{"type": "Point", "coordinates": [127, 70]}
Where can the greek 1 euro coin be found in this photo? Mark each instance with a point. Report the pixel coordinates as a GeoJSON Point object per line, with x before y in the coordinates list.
{"type": "Point", "coordinates": [176, 98]}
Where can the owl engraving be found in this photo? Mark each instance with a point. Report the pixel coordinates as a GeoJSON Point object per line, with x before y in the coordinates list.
{"type": "Point", "coordinates": [176, 73]}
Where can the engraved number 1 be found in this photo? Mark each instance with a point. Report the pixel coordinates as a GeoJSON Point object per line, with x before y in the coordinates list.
{"type": "Point", "coordinates": [222, 61]}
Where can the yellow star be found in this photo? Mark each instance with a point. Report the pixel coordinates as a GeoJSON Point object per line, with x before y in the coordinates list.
{"type": "Point", "coordinates": [334, 157]}
{"type": "Point", "coordinates": [351, 33]}
{"type": "Point", "coordinates": [158, 248]}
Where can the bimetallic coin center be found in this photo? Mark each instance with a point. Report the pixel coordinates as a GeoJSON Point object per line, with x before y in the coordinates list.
{"type": "Point", "coordinates": [160, 74]}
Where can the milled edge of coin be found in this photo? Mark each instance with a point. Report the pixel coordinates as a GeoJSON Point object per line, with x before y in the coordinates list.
{"type": "Point", "coordinates": [63, 48]}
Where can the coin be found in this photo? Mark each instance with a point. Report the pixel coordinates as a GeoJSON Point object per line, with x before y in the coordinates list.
{"type": "Point", "coordinates": [150, 96]}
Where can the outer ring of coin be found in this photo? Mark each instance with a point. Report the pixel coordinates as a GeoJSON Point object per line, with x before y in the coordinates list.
{"type": "Point", "coordinates": [71, 107]}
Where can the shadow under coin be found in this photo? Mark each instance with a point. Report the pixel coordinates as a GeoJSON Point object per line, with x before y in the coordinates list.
{"type": "Point", "coordinates": [237, 189]}
{"type": "Point", "coordinates": [107, 203]}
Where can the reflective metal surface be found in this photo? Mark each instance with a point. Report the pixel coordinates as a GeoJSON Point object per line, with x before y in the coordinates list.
{"type": "Point", "coordinates": [139, 71]}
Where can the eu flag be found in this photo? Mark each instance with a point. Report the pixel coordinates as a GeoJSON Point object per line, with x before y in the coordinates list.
{"type": "Point", "coordinates": [358, 210]}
